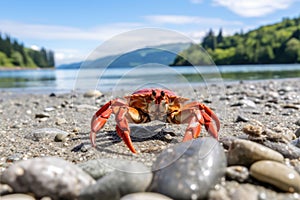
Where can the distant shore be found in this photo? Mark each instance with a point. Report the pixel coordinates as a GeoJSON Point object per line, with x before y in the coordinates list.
{"type": "Point", "coordinates": [2, 68]}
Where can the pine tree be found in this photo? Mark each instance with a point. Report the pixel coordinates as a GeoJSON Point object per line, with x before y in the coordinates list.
{"type": "Point", "coordinates": [220, 37]}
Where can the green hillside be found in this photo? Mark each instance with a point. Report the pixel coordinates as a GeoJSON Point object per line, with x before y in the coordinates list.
{"type": "Point", "coordinates": [14, 54]}
{"type": "Point", "coordinates": [270, 44]}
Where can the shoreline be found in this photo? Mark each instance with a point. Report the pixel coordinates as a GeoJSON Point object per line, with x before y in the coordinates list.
{"type": "Point", "coordinates": [22, 68]}
{"type": "Point", "coordinates": [31, 124]}
{"type": "Point", "coordinates": [41, 91]}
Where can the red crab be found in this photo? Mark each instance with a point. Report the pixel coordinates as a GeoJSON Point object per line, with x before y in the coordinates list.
{"type": "Point", "coordinates": [155, 104]}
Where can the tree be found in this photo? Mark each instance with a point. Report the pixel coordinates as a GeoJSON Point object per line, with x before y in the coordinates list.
{"type": "Point", "coordinates": [292, 50]}
{"type": "Point", "coordinates": [17, 59]}
{"type": "Point", "coordinates": [210, 40]}
{"type": "Point", "coordinates": [220, 37]}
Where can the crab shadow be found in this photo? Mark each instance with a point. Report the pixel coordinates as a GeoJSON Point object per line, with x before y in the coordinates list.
{"type": "Point", "coordinates": [139, 133]}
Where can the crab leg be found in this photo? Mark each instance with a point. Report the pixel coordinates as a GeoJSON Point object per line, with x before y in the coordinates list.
{"type": "Point", "coordinates": [196, 115]}
{"type": "Point", "coordinates": [123, 128]}
{"type": "Point", "coordinates": [120, 109]}
{"type": "Point", "coordinates": [194, 126]}
{"type": "Point", "coordinates": [98, 121]}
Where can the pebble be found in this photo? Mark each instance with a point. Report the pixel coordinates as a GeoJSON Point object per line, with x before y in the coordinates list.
{"type": "Point", "coordinates": [241, 118]}
{"type": "Point", "coordinates": [145, 196]}
{"type": "Point", "coordinates": [276, 174]}
{"type": "Point", "coordinates": [286, 149]}
{"type": "Point", "coordinates": [296, 142]}
{"type": "Point", "coordinates": [101, 167]}
{"type": "Point", "coordinates": [17, 197]}
{"type": "Point", "coordinates": [43, 177]}
{"type": "Point", "coordinates": [92, 93]}
{"type": "Point", "coordinates": [190, 169]}
{"type": "Point", "coordinates": [49, 109]}
{"type": "Point", "coordinates": [51, 133]}
{"type": "Point", "coordinates": [238, 173]}
{"type": "Point", "coordinates": [131, 177]}
{"type": "Point", "coordinates": [15, 157]}
{"type": "Point", "coordinates": [60, 121]}
{"type": "Point", "coordinates": [246, 103]}
{"type": "Point", "coordinates": [245, 192]}
{"type": "Point", "coordinates": [297, 122]}
{"type": "Point", "coordinates": [244, 152]}
{"type": "Point", "coordinates": [251, 130]}
{"type": "Point", "coordinates": [297, 133]}
{"type": "Point", "coordinates": [42, 115]}
{"type": "Point", "coordinates": [5, 189]}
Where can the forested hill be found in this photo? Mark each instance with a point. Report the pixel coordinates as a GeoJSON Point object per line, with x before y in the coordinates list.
{"type": "Point", "coordinates": [13, 53]}
{"type": "Point", "coordinates": [276, 43]}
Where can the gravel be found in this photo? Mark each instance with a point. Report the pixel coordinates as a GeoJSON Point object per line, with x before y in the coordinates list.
{"type": "Point", "coordinates": [271, 104]}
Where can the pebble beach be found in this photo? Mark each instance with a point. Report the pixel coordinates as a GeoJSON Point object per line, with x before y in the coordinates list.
{"type": "Point", "coordinates": [45, 151]}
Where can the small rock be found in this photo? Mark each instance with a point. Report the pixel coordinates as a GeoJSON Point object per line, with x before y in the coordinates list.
{"type": "Point", "coordinates": [5, 189]}
{"type": "Point", "coordinates": [60, 121]}
{"type": "Point", "coordinates": [101, 167]}
{"type": "Point", "coordinates": [14, 157]}
{"type": "Point", "coordinates": [42, 115]}
{"type": "Point", "coordinates": [251, 130]}
{"type": "Point", "coordinates": [245, 192]}
{"type": "Point", "coordinates": [126, 179]}
{"type": "Point", "coordinates": [49, 109]}
{"type": "Point", "coordinates": [241, 119]}
{"type": "Point", "coordinates": [296, 142]}
{"type": "Point", "coordinates": [218, 194]}
{"type": "Point", "coordinates": [43, 177]}
{"type": "Point", "coordinates": [52, 95]}
{"type": "Point", "coordinates": [276, 174]}
{"type": "Point", "coordinates": [290, 106]}
{"type": "Point", "coordinates": [145, 196]}
{"type": "Point", "coordinates": [17, 197]}
{"type": "Point", "coordinates": [247, 103]}
{"type": "Point", "coordinates": [52, 133]}
{"type": "Point", "coordinates": [81, 147]}
{"type": "Point", "coordinates": [244, 152]}
{"type": "Point", "coordinates": [92, 93]}
{"type": "Point", "coordinates": [189, 170]}
{"type": "Point", "coordinates": [238, 173]}
{"type": "Point", "coordinates": [298, 122]}
{"type": "Point", "coordinates": [286, 149]}
{"type": "Point", "coordinates": [297, 133]}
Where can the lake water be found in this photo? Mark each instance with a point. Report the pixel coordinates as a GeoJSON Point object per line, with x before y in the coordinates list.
{"type": "Point", "coordinates": [66, 80]}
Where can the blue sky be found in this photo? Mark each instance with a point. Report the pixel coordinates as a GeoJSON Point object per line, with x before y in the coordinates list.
{"type": "Point", "coordinates": [73, 29]}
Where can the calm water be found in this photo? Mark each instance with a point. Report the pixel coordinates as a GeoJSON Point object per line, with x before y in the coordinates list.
{"type": "Point", "coordinates": [65, 80]}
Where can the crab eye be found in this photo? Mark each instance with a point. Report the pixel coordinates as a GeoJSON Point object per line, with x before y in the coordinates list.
{"type": "Point", "coordinates": [162, 93]}
{"type": "Point", "coordinates": [153, 93]}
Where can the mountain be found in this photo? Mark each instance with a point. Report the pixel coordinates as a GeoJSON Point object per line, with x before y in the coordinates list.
{"type": "Point", "coordinates": [162, 54]}
{"type": "Point", "coordinates": [271, 44]}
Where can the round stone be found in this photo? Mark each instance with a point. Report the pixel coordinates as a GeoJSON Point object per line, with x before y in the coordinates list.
{"type": "Point", "coordinates": [145, 196]}
{"type": "Point", "coordinates": [17, 197]}
{"type": "Point", "coordinates": [239, 173]}
{"type": "Point", "coordinates": [118, 179]}
{"type": "Point", "coordinates": [277, 174]}
{"type": "Point", "coordinates": [92, 93]}
{"type": "Point", "coordinates": [47, 176]}
{"type": "Point", "coordinates": [51, 133]}
{"type": "Point", "coordinates": [244, 152]}
{"type": "Point", "coordinates": [189, 170]}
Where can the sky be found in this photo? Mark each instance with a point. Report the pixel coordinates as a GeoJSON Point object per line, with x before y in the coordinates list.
{"type": "Point", "coordinates": [74, 29]}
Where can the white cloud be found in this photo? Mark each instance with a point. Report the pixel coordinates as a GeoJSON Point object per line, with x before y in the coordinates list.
{"type": "Point", "coordinates": [183, 20]}
{"type": "Point", "coordinates": [254, 8]}
{"type": "Point", "coordinates": [40, 31]}
{"type": "Point", "coordinates": [35, 47]}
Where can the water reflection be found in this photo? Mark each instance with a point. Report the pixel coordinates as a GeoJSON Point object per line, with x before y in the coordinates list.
{"type": "Point", "coordinates": [26, 78]}
{"type": "Point", "coordinates": [66, 80]}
